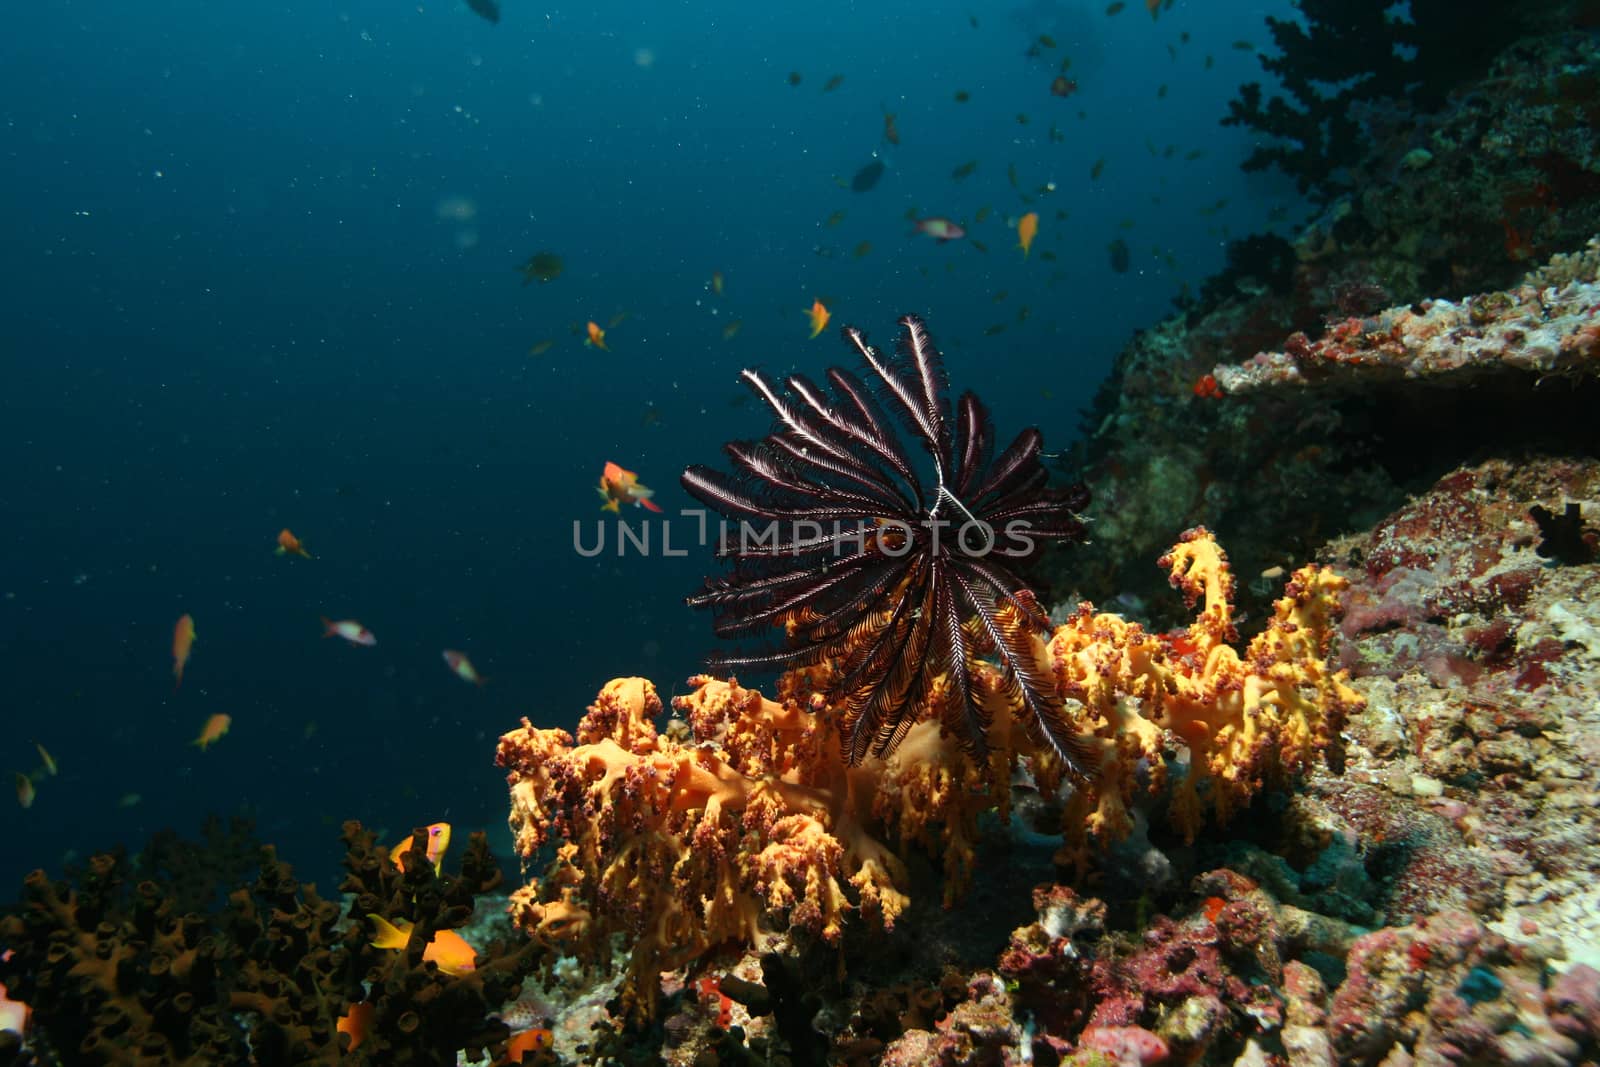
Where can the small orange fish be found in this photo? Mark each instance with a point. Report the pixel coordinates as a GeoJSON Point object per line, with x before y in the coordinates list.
{"type": "Point", "coordinates": [438, 841]}
{"type": "Point", "coordinates": [350, 630]}
{"type": "Point", "coordinates": [182, 643]}
{"type": "Point", "coordinates": [463, 667]}
{"type": "Point", "coordinates": [25, 790]}
{"type": "Point", "coordinates": [716, 282]}
{"type": "Point", "coordinates": [448, 950]}
{"type": "Point", "coordinates": [618, 487]}
{"type": "Point", "coordinates": [597, 337]}
{"type": "Point", "coordinates": [891, 132]}
{"type": "Point", "coordinates": [1027, 229]}
{"type": "Point", "coordinates": [819, 318]}
{"type": "Point", "coordinates": [289, 544]}
{"type": "Point", "coordinates": [213, 730]}
{"type": "Point", "coordinates": [356, 1022]}
{"type": "Point", "coordinates": [14, 1014]}
{"type": "Point", "coordinates": [536, 1040]}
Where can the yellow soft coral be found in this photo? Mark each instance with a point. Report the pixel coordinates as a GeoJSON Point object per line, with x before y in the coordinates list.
{"type": "Point", "coordinates": [1245, 721]}
{"type": "Point", "coordinates": [681, 845]}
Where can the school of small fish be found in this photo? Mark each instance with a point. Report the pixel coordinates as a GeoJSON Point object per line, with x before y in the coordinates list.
{"type": "Point", "coordinates": [217, 725]}
{"type": "Point", "coordinates": [877, 170]}
{"type": "Point", "coordinates": [619, 487]}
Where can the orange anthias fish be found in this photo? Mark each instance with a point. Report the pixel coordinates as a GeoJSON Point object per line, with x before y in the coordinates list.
{"type": "Point", "coordinates": [717, 282]}
{"type": "Point", "coordinates": [618, 487]}
{"type": "Point", "coordinates": [463, 667]}
{"type": "Point", "coordinates": [356, 1022]}
{"type": "Point", "coordinates": [535, 1040]}
{"type": "Point", "coordinates": [25, 790]}
{"type": "Point", "coordinates": [1027, 229]}
{"type": "Point", "coordinates": [13, 1013]}
{"type": "Point", "coordinates": [213, 730]}
{"type": "Point", "coordinates": [438, 841]}
{"type": "Point", "coordinates": [891, 132]}
{"type": "Point", "coordinates": [819, 317]}
{"type": "Point", "coordinates": [448, 949]}
{"type": "Point", "coordinates": [348, 629]}
{"type": "Point", "coordinates": [182, 643]}
{"type": "Point", "coordinates": [597, 337]}
{"type": "Point", "coordinates": [289, 545]}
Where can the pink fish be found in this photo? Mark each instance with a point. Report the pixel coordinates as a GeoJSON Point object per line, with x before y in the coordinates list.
{"type": "Point", "coordinates": [1125, 1044]}
{"type": "Point", "coordinates": [941, 229]}
{"type": "Point", "coordinates": [463, 667]}
{"type": "Point", "coordinates": [348, 629]}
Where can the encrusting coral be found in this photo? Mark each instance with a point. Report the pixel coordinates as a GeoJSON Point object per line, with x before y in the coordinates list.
{"type": "Point", "coordinates": [684, 840]}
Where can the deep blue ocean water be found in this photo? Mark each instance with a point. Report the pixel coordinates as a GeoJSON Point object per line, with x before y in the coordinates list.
{"type": "Point", "coordinates": [258, 266]}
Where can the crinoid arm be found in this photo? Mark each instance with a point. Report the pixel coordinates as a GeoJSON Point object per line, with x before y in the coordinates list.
{"type": "Point", "coordinates": [853, 553]}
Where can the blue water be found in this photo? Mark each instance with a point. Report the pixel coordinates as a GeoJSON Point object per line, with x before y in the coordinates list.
{"type": "Point", "coordinates": [258, 268]}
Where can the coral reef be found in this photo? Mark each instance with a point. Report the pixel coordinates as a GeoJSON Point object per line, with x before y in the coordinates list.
{"type": "Point", "coordinates": [1241, 971]}
{"type": "Point", "coordinates": [980, 1029]}
{"type": "Point", "coordinates": [1464, 831]}
{"type": "Point", "coordinates": [1433, 903]}
{"type": "Point", "coordinates": [1460, 200]}
{"type": "Point", "coordinates": [1442, 455]}
{"type": "Point", "coordinates": [688, 840]}
{"type": "Point", "coordinates": [1480, 998]}
{"type": "Point", "coordinates": [1384, 395]}
{"type": "Point", "coordinates": [115, 972]}
{"type": "Point", "coordinates": [1536, 328]}
{"type": "Point", "coordinates": [1472, 766]}
{"type": "Point", "coordinates": [1341, 55]}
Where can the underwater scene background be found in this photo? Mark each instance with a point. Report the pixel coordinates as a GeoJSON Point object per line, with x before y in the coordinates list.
{"type": "Point", "coordinates": [263, 273]}
{"type": "Point", "coordinates": [327, 325]}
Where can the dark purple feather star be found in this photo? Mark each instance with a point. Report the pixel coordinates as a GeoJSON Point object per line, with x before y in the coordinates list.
{"type": "Point", "coordinates": [898, 575]}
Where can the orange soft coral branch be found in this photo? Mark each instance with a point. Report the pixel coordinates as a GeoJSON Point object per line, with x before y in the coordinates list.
{"type": "Point", "coordinates": [681, 846]}
{"type": "Point", "coordinates": [1246, 721]}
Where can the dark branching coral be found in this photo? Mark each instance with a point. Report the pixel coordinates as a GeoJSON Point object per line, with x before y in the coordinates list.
{"type": "Point", "coordinates": [116, 972]}
{"type": "Point", "coordinates": [194, 872]}
{"type": "Point", "coordinates": [113, 974]}
{"type": "Point", "coordinates": [417, 1006]}
{"type": "Point", "coordinates": [898, 580]}
{"type": "Point", "coordinates": [1349, 52]}
{"type": "Point", "coordinates": [1562, 537]}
